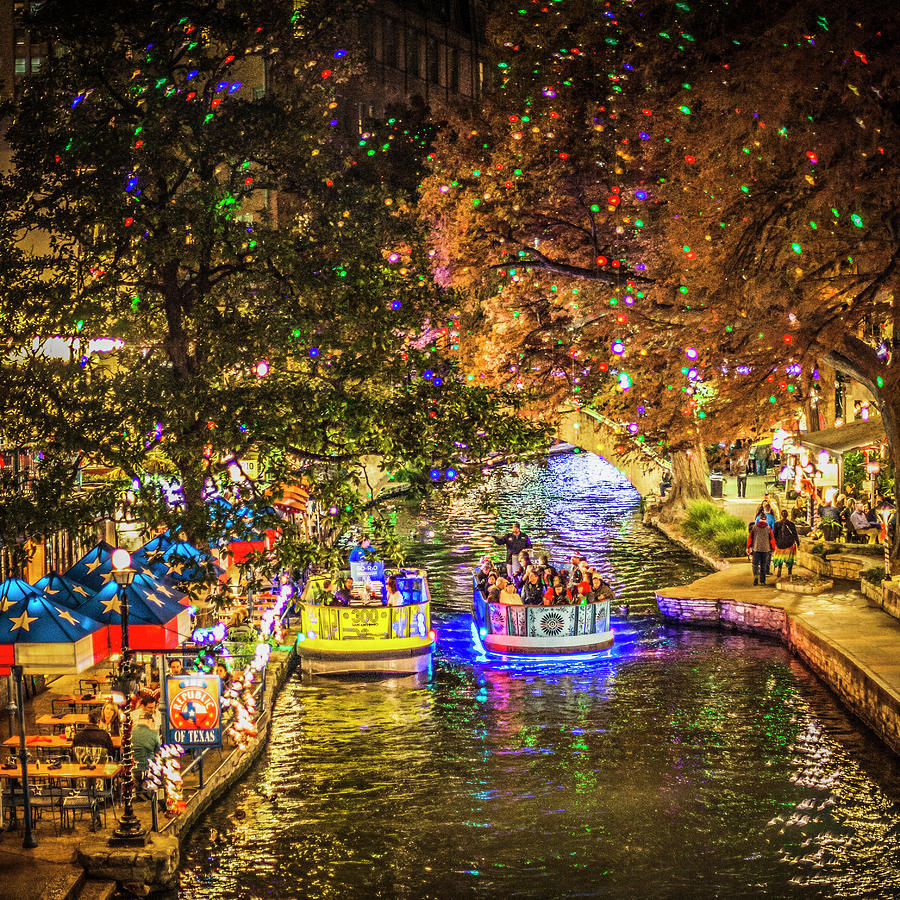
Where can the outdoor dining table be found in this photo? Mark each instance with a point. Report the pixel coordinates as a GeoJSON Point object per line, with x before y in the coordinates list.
{"type": "Point", "coordinates": [80, 700]}
{"type": "Point", "coordinates": [49, 742]}
{"type": "Point", "coordinates": [60, 721]}
{"type": "Point", "coordinates": [65, 772]}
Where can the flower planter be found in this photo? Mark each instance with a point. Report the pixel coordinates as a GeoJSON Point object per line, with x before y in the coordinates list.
{"type": "Point", "coordinates": [801, 585]}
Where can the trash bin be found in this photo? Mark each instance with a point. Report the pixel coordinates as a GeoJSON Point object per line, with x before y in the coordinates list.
{"type": "Point", "coordinates": [715, 484]}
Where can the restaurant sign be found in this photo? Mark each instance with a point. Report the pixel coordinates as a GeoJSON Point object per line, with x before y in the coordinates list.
{"type": "Point", "coordinates": [194, 710]}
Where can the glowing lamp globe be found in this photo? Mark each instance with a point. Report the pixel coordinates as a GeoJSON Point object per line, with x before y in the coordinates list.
{"type": "Point", "coordinates": [121, 559]}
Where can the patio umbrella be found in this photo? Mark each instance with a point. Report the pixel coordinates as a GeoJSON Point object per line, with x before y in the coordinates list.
{"type": "Point", "coordinates": [179, 561]}
{"type": "Point", "coordinates": [157, 620]}
{"type": "Point", "coordinates": [71, 594]}
{"type": "Point", "coordinates": [94, 569]}
{"type": "Point", "coordinates": [39, 636]}
{"type": "Point", "coordinates": [44, 636]}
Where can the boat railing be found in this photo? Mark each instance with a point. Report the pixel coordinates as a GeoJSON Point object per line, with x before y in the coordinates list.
{"type": "Point", "coordinates": [559, 620]}
{"type": "Point", "coordinates": [369, 622]}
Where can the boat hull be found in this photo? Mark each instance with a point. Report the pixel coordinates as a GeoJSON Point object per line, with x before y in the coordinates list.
{"type": "Point", "coordinates": [386, 658]}
{"type": "Point", "coordinates": [369, 640]}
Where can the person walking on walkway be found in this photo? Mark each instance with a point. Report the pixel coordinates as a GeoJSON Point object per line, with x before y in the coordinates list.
{"type": "Point", "coordinates": [760, 544]}
{"type": "Point", "coordinates": [786, 540]}
{"type": "Point", "coordinates": [740, 470]}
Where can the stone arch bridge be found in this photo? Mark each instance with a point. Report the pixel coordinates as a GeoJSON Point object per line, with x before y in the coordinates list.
{"type": "Point", "coordinates": [589, 431]}
{"type": "Point", "coordinates": [593, 432]}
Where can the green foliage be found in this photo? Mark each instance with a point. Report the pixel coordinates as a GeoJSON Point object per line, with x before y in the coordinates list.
{"type": "Point", "coordinates": [716, 529]}
{"type": "Point", "coordinates": [855, 469]}
{"type": "Point", "coordinates": [699, 514]}
{"type": "Point", "coordinates": [731, 542]}
{"type": "Point", "coordinates": [820, 550]}
{"type": "Point", "coordinates": [875, 575]}
{"type": "Point", "coordinates": [208, 227]}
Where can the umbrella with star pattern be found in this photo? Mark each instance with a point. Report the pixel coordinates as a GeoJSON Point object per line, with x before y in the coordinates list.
{"type": "Point", "coordinates": [156, 618]}
{"type": "Point", "coordinates": [177, 560]}
{"type": "Point", "coordinates": [46, 636]}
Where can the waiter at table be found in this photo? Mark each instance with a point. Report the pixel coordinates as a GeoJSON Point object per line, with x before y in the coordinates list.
{"type": "Point", "coordinates": [358, 553]}
{"type": "Point", "coordinates": [515, 542]}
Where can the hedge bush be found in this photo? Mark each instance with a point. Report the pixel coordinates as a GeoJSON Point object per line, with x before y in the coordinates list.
{"type": "Point", "coordinates": [716, 529]}
{"type": "Point", "coordinates": [732, 542]}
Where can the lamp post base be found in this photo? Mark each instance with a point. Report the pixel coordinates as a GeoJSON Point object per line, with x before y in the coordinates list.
{"type": "Point", "coordinates": [129, 833]}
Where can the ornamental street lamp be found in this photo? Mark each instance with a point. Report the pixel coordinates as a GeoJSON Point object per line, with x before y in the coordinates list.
{"type": "Point", "coordinates": [28, 840]}
{"type": "Point", "coordinates": [885, 515]}
{"type": "Point", "coordinates": [129, 833]}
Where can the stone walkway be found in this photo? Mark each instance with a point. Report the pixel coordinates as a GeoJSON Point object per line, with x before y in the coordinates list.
{"type": "Point", "coordinates": [841, 620]}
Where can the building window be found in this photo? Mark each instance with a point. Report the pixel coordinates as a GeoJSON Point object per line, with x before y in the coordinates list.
{"type": "Point", "coordinates": [21, 67]}
{"type": "Point", "coordinates": [431, 51]}
{"type": "Point", "coordinates": [453, 69]}
{"type": "Point", "coordinates": [390, 51]}
{"type": "Point", "coordinates": [36, 63]}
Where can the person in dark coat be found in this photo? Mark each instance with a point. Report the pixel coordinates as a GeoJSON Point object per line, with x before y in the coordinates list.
{"type": "Point", "coordinates": [515, 542]}
{"type": "Point", "coordinates": [93, 735]}
{"type": "Point", "coordinates": [532, 590]}
{"type": "Point", "coordinates": [786, 541]}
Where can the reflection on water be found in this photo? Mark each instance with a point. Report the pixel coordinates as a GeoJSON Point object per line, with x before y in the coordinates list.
{"type": "Point", "coordinates": [680, 763]}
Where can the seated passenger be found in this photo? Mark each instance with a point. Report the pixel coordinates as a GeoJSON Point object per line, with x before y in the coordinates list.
{"type": "Point", "coordinates": [394, 597]}
{"type": "Point", "coordinates": [507, 592]}
{"type": "Point", "coordinates": [532, 591]}
{"type": "Point", "coordinates": [493, 595]}
{"type": "Point", "coordinates": [483, 573]}
{"type": "Point", "coordinates": [553, 594]}
{"type": "Point", "coordinates": [546, 566]}
{"type": "Point", "coordinates": [524, 560]}
{"type": "Point", "coordinates": [859, 522]}
{"type": "Point", "coordinates": [577, 569]}
{"type": "Point", "coordinates": [562, 596]}
{"type": "Point", "coordinates": [510, 596]}
{"type": "Point", "coordinates": [600, 590]}
{"type": "Point", "coordinates": [343, 596]}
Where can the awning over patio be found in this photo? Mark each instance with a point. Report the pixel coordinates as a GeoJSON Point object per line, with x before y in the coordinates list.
{"type": "Point", "coordinates": [848, 437]}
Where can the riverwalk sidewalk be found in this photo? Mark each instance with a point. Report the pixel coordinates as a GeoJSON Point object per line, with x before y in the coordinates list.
{"type": "Point", "coordinates": [853, 645]}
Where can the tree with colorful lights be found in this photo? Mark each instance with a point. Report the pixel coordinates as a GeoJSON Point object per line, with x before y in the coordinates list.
{"type": "Point", "coordinates": [541, 208]}
{"type": "Point", "coordinates": [200, 268]}
{"type": "Point", "coordinates": [618, 208]}
{"type": "Point", "coordinates": [781, 170]}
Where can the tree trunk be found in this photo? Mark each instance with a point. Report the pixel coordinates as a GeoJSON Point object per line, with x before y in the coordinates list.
{"type": "Point", "coordinates": [690, 481]}
{"type": "Point", "coordinates": [890, 418]}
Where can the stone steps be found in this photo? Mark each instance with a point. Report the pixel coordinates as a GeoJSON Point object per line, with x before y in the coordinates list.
{"type": "Point", "coordinates": [93, 889]}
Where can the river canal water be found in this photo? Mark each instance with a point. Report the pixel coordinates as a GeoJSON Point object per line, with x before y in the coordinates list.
{"type": "Point", "coordinates": [682, 763]}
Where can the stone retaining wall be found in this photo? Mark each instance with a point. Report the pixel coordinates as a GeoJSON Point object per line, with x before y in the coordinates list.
{"type": "Point", "coordinates": [845, 566]}
{"type": "Point", "coordinates": [861, 691]}
{"type": "Point", "coordinates": [890, 599]}
{"type": "Point", "coordinates": [753, 618]}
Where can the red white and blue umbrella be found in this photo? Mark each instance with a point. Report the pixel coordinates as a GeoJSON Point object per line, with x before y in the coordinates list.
{"type": "Point", "coordinates": [44, 636]}
{"type": "Point", "coordinates": [94, 569]}
{"type": "Point", "coordinates": [157, 619]}
{"type": "Point", "coordinates": [179, 560]}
